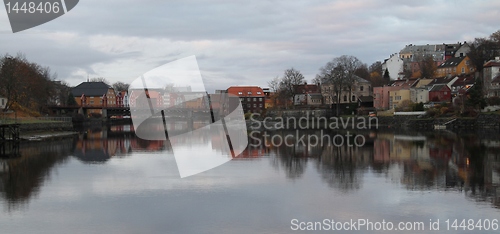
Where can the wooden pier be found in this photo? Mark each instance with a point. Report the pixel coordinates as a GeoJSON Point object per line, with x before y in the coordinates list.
{"type": "Point", "coordinates": [9, 132]}
{"type": "Point", "coordinates": [9, 140]}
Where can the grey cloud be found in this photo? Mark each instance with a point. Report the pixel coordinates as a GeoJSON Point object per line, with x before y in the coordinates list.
{"type": "Point", "coordinates": [247, 42]}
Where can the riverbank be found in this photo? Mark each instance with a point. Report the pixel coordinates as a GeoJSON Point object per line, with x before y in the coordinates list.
{"type": "Point", "coordinates": [40, 136]}
{"type": "Point", "coordinates": [34, 130]}
{"type": "Point", "coordinates": [310, 122]}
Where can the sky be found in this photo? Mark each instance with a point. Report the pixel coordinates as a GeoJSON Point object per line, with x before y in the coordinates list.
{"type": "Point", "coordinates": [239, 42]}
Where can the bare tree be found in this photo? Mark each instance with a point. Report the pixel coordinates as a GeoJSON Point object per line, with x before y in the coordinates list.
{"type": "Point", "coordinates": [333, 73]}
{"type": "Point", "coordinates": [290, 79]}
{"type": "Point", "coordinates": [120, 86]}
{"type": "Point", "coordinates": [99, 79]}
{"type": "Point", "coordinates": [274, 84]}
{"type": "Point", "coordinates": [350, 64]}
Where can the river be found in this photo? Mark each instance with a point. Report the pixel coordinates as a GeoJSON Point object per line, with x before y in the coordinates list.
{"type": "Point", "coordinates": [108, 181]}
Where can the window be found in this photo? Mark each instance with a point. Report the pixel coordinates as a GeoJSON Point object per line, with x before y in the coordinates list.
{"type": "Point", "coordinates": [345, 98]}
{"type": "Point", "coordinates": [249, 93]}
{"type": "Point", "coordinates": [3, 101]}
{"type": "Point", "coordinates": [248, 105]}
{"type": "Point", "coordinates": [254, 99]}
{"type": "Point", "coordinates": [254, 105]}
{"type": "Point", "coordinates": [91, 101]}
{"type": "Point", "coordinates": [353, 98]}
{"type": "Point", "coordinates": [445, 93]}
{"type": "Point", "coordinates": [240, 93]}
{"type": "Point", "coordinates": [249, 99]}
{"type": "Point", "coordinates": [463, 70]}
{"type": "Point", "coordinates": [260, 105]}
{"type": "Point", "coordinates": [260, 99]}
{"type": "Point", "coordinates": [259, 93]}
{"type": "Point", "coordinates": [361, 88]}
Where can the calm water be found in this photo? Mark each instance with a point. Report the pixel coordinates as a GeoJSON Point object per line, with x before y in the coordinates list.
{"type": "Point", "coordinates": [104, 182]}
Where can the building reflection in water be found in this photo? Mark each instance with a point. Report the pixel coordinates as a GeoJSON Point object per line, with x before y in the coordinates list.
{"type": "Point", "coordinates": [435, 161]}
{"type": "Point", "coordinates": [442, 161]}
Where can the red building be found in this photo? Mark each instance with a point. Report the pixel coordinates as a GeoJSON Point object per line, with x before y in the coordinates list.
{"type": "Point", "coordinates": [440, 93]}
{"type": "Point", "coordinates": [252, 97]}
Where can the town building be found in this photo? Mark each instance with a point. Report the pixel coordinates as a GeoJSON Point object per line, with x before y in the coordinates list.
{"type": "Point", "coordinates": [94, 94]}
{"type": "Point", "coordinates": [440, 93]}
{"type": "Point", "coordinates": [491, 70]}
{"type": "Point", "coordinates": [399, 98]}
{"type": "Point", "coordinates": [361, 87]}
{"type": "Point", "coordinates": [420, 94]}
{"type": "Point", "coordinates": [307, 94]}
{"type": "Point", "coordinates": [393, 65]}
{"type": "Point", "coordinates": [252, 98]}
{"type": "Point", "coordinates": [381, 95]}
{"type": "Point", "coordinates": [455, 66]}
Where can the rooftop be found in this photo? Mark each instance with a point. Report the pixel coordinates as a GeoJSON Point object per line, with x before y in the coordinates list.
{"type": "Point", "coordinates": [90, 89]}
{"type": "Point", "coordinates": [452, 62]}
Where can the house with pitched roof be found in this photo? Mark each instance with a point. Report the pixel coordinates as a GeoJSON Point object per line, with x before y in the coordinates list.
{"type": "Point", "coordinates": [94, 94]}
{"type": "Point", "coordinates": [393, 65]}
{"type": "Point", "coordinates": [440, 93]}
{"type": "Point", "coordinates": [252, 98]}
{"type": "Point", "coordinates": [455, 66]}
{"type": "Point", "coordinates": [307, 94]}
{"type": "Point", "coordinates": [361, 87]}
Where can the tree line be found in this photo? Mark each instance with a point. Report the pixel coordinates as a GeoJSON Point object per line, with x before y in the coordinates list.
{"type": "Point", "coordinates": [27, 84]}
{"type": "Point", "coordinates": [341, 72]}
{"type": "Point", "coordinates": [31, 86]}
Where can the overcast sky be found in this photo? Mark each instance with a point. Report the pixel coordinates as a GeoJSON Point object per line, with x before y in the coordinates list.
{"type": "Point", "coordinates": [239, 42]}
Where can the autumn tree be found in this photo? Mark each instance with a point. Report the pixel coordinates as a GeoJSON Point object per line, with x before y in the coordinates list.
{"type": "Point", "coordinates": [25, 83]}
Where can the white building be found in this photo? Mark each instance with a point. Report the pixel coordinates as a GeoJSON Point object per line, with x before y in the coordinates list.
{"type": "Point", "coordinates": [394, 65]}
{"type": "Point", "coordinates": [420, 94]}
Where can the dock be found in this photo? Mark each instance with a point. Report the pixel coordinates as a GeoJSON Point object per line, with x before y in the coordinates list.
{"type": "Point", "coordinates": [9, 140]}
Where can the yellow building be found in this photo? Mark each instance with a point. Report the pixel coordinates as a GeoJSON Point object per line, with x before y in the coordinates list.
{"type": "Point", "coordinates": [455, 66]}
{"type": "Point", "coordinates": [397, 98]}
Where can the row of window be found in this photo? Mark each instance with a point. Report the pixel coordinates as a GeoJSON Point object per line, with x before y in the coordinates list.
{"type": "Point", "coordinates": [254, 105]}
{"type": "Point", "coordinates": [249, 93]}
{"type": "Point", "coordinates": [100, 102]}
{"type": "Point", "coordinates": [250, 99]}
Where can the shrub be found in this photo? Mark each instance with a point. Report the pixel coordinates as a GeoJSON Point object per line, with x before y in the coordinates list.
{"type": "Point", "coordinates": [432, 112]}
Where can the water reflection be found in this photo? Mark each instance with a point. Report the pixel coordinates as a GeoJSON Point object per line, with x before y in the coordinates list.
{"type": "Point", "coordinates": [467, 164]}
{"type": "Point", "coordinates": [21, 178]}
{"type": "Point", "coordinates": [435, 161]}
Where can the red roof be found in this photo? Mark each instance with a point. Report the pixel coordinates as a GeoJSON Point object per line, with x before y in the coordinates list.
{"type": "Point", "coordinates": [307, 88]}
{"type": "Point", "coordinates": [246, 91]}
{"type": "Point", "coordinates": [492, 63]}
